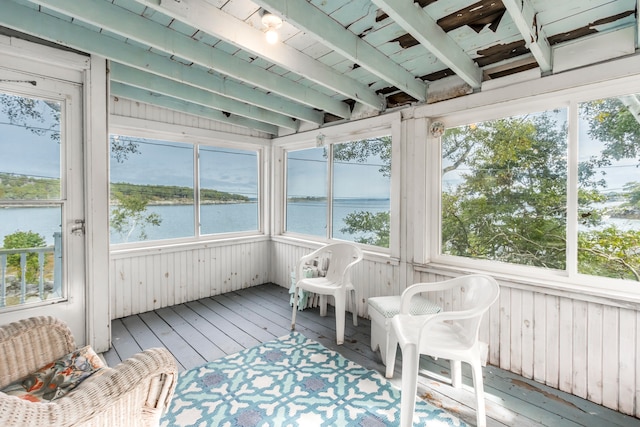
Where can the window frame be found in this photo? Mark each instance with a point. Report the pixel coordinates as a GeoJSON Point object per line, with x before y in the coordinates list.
{"type": "Point", "coordinates": [389, 124]}
{"type": "Point", "coordinates": [568, 279]}
{"type": "Point", "coordinates": [196, 137]}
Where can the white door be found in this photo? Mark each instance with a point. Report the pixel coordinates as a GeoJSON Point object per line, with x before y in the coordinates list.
{"type": "Point", "coordinates": [42, 265]}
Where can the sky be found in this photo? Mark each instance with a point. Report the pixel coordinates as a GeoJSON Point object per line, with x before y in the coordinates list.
{"type": "Point", "coordinates": [24, 152]}
{"type": "Point", "coordinates": [307, 177]}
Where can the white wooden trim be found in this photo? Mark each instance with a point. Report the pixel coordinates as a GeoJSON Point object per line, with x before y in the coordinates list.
{"type": "Point", "coordinates": [97, 206]}
{"type": "Point", "coordinates": [359, 129]}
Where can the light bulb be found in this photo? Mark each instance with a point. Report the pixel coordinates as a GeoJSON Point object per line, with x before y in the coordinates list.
{"type": "Point", "coordinates": [272, 36]}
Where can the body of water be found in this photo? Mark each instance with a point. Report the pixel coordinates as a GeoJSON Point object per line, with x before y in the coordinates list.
{"type": "Point", "coordinates": [177, 220]}
{"type": "Point", "coordinates": [308, 217]}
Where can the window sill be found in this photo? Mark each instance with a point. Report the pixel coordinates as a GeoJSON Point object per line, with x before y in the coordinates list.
{"type": "Point", "coordinates": [560, 286]}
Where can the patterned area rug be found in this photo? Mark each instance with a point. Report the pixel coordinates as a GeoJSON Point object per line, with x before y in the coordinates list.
{"type": "Point", "coordinates": [291, 381]}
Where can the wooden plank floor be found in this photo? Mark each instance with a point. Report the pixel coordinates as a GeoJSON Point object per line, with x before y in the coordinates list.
{"type": "Point", "coordinates": [210, 328]}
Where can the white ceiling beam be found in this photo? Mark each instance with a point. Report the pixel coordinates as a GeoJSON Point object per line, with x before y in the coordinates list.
{"type": "Point", "coordinates": [330, 33]}
{"type": "Point", "coordinates": [427, 32]}
{"type": "Point", "coordinates": [524, 16]}
{"type": "Point", "coordinates": [120, 21]}
{"type": "Point", "coordinates": [132, 77]}
{"type": "Point", "coordinates": [68, 34]}
{"type": "Point", "coordinates": [211, 20]}
{"type": "Point", "coordinates": [136, 94]}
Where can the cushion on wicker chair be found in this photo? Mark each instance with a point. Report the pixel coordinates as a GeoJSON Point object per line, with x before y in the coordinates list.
{"type": "Point", "coordinates": [57, 378]}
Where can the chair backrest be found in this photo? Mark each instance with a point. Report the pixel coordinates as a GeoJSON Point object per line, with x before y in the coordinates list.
{"type": "Point", "coordinates": [342, 256]}
{"type": "Point", "coordinates": [477, 294]}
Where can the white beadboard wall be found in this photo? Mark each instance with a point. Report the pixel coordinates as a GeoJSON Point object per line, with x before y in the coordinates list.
{"type": "Point", "coordinates": [154, 278]}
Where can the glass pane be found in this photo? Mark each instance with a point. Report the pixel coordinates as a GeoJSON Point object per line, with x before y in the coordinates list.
{"type": "Point", "coordinates": [504, 190]}
{"type": "Point", "coordinates": [30, 254]}
{"type": "Point", "coordinates": [228, 190]}
{"type": "Point", "coordinates": [307, 192]}
{"type": "Point", "coordinates": [361, 191]}
{"type": "Point", "coordinates": [30, 147]}
{"type": "Point", "coordinates": [151, 189]}
{"type": "Point", "coordinates": [609, 192]}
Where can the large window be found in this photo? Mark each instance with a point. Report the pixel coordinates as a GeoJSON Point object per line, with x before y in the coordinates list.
{"type": "Point", "coordinates": [512, 192]}
{"type": "Point", "coordinates": [154, 184]}
{"type": "Point", "coordinates": [341, 191]}
{"type": "Point", "coordinates": [609, 188]}
{"type": "Point", "coordinates": [504, 190]}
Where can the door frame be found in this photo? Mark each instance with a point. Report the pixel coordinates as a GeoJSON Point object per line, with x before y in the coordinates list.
{"type": "Point", "coordinates": [89, 72]}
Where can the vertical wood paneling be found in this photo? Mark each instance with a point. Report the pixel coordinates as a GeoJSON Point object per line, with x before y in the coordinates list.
{"type": "Point", "coordinates": [551, 338]}
{"type": "Point", "coordinates": [539, 339]}
{"type": "Point", "coordinates": [580, 349]}
{"type": "Point", "coordinates": [142, 282]}
{"type": "Point", "coordinates": [565, 362]}
{"type": "Point", "coordinates": [627, 366]}
{"type": "Point", "coordinates": [610, 346]}
{"type": "Point", "coordinates": [526, 323]}
{"type": "Point", "coordinates": [594, 353]}
{"type": "Point", "coordinates": [505, 328]}
{"type": "Point", "coordinates": [516, 331]}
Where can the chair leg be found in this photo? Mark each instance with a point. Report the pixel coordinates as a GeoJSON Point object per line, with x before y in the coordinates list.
{"type": "Point", "coordinates": [410, 360]}
{"type": "Point", "coordinates": [295, 308]}
{"type": "Point", "coordinates": [323, 305]}
{"type": "Point", "coordinates": [340, 317]}
{"type": "Point", "coordinates": [353, 307]}
{"type": "Point", "coordinates": [456, 373]}
{"type": "Point", "coordinates": [478, 385]}
{"type": "Point", "coordinates": [390, 352]}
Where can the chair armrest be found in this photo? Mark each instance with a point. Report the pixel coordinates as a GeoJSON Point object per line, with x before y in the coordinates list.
{"type": "Point", "coordinates": [134, 393]}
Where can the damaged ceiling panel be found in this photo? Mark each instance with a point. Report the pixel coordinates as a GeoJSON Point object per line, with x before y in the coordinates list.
{"type": "Point", "coordinates": [333, 60]}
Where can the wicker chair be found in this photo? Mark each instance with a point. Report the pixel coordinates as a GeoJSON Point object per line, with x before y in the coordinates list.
{"type": "Point", "coordinates": [134, 393]}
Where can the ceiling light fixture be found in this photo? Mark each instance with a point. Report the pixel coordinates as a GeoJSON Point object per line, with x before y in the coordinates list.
{"type": "Point", "coordinates": [272, 22]}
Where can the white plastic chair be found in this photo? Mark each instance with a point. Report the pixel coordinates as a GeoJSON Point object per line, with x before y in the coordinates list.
{"type": "Point", "coordinates": [451, 335]}
{"type": "Point", "coordinates": [336, 282]}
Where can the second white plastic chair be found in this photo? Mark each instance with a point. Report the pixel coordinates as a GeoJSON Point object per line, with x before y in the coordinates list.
{"type": "Point", "coordinates": [336, 282]}
{"type": "Point", "coordinates": [451, 335]}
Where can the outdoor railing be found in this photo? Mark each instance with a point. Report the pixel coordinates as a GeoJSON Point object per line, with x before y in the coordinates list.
{"type": "Point", "coordinates": [25, 290]}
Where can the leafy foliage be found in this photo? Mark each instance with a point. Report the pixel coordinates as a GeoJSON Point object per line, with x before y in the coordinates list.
{"type": "Point", "coordinates": [25, 239]}
{"type": "Point", "coordinates": [131, 213]}
{"type": "Point", "coordinates": [32, 114]}
{"type": "Point", "coordinates": [20, 187]}
{"type": "Point", "coordinates": [510, 203]}
{"type": "Point", "coordinates": [360, 151]}
{"type": "Point", "coordinates": [372, 227]}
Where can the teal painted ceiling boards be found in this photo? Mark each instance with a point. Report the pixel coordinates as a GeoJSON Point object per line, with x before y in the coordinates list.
{"type": "Point", "coordinates": [334, 60]}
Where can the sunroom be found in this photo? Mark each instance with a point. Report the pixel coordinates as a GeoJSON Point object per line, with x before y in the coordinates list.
{"type": "Point", "coordinates": [161, 157]}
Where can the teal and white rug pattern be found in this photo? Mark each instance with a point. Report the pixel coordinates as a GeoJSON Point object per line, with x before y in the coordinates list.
{"type": "Point", "coordinates": [291, 381]}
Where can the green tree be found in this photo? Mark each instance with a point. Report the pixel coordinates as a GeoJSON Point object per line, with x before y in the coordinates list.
{"type": "Point", "coordinates": [130, 213]}
{"type": "Point", "coordinates": [510, 204]}
{"type": "Point", "coordinates": [374, 226]}
{"type": "Point", "coordinates": [25, 239]}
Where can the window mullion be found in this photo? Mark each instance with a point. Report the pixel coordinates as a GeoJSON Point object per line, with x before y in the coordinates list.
{"type": "Point", "coordinates": [330, 181]}
{"type": "Point", "coordinates": [572, 192]}
{"type": "Point", "coordinates": [196, 190]}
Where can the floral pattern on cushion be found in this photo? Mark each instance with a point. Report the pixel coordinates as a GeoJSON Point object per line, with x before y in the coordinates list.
{"type": "Point", "coordinates": [57, 378]}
